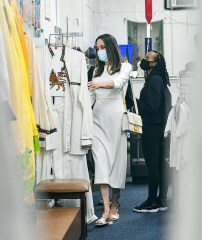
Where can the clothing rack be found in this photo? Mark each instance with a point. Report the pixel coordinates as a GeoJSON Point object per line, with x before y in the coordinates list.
{"type": "Point", "coordinates": [65, 35]}
{"type": "Point", "coordinates": [71, 34]}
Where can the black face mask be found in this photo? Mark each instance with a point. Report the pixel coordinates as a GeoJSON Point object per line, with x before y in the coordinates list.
{"type": "Point", "coordinates": [145, 65]}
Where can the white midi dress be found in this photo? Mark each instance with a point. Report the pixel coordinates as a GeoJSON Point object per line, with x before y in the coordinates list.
{"type": "Point", "coordinates": [109, 141]}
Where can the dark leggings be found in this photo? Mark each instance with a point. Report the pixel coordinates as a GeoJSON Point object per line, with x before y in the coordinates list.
{"type": "Point", "coordinates": [153, 150]}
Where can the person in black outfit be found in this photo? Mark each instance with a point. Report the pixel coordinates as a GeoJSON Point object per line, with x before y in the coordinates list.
{"type": "Point", "coordinates": [154, 105]}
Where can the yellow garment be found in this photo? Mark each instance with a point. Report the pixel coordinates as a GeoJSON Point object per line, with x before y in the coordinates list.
{"type": "Point", "coordinates": [15, 85]}
{"type": "Point", "coordinates": [18, 22]}
{"type": "Point", "coordinates": [23, 127]}
{"type": "Point", "coordinates": [19, 28]}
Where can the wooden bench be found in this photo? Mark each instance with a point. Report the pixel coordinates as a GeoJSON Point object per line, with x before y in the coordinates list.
{"type": "Point", "coordinates": [61, 223]}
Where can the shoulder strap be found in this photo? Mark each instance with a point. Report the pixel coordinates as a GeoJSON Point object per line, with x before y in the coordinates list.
{"type": "Point", "coordinates": [134, 98]}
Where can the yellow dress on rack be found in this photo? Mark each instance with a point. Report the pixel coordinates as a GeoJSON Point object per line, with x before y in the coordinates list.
{"type": "Point", "coordinates": [19, 26]}
{"type": "Point", "coordinates": [20, 30]}
{"type": "Point", "coordinates": [15, 98]}
{"type": "Point", "coordinates": [23, 127]}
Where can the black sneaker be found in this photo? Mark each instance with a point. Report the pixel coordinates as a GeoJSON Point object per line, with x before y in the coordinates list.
{"type": "Point", "coordinates": [147, 206]}
{"type": "Point", "coordinates": [162, 205]}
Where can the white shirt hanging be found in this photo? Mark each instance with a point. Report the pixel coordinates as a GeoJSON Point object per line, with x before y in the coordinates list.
{"type": "Point", "coordinates": [78, 120]}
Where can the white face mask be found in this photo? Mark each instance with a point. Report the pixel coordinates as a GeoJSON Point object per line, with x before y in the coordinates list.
{"type": "Point", "coordinates": [102, 55]}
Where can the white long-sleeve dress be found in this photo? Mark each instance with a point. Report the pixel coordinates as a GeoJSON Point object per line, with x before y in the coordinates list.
{"type": "Point", "coordinates": [109, 142]}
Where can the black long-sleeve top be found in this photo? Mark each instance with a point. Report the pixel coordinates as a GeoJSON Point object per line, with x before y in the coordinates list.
{"type": "Point", "coordinates": [155, 101]}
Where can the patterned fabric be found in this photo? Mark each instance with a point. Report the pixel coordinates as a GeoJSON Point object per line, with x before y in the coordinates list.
{"type": "Point", "coordinates": [60, 79]}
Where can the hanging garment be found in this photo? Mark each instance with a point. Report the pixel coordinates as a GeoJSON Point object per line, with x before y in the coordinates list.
{"type": "Point", "coordinates": [4, 86]}
{"type": "Point", "coordinates": [24, 128]}
{"type": "Point", "coordinates": [4, 78]}
{"type": "Point", "coordinates": [19, 26]}
{"type": "Point", "coordinates": [42, 110]}
{"type": "Point", "coordinates": [15, 99]}
{"type": "Point", "coordinates": [44, 165]}
{"type": "Point", "coordinates": [182, 133]}
{"type": "Point", "coordinates": [23, 70]}
{"type": "Point", "coordinates": [59, 159]}
{"type": "Point", "coordinates": [67, 78]}
{"type": "Point", "coordinates": [174, 144]}
{"type": "Point", "coordinates": [178, 125]}
{"type": "Point", "coordinates": [64, 165]}
{"type": "Point", "coordinates": [109, 142]}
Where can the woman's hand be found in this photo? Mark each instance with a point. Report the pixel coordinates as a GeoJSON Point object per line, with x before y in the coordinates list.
{"type": "Point", "coordinates": [94, 85]}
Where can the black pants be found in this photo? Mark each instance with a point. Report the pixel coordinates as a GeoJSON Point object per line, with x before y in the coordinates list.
{"type": "Point", "coordinates": [153, 150]}
{"type": "Point", "coordinates": [91, 165]}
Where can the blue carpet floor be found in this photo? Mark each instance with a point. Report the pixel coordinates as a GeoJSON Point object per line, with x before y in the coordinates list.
{"type": "Point", "coordinates": [131, 225]}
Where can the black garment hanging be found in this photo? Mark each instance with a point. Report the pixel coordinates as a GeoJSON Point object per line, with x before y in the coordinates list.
{"type": "Point", "coordinates": [129, 97]}
{"type": "Point", "coordinates": [90, 73]}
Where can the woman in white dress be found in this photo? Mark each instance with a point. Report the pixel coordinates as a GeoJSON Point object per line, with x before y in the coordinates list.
{"type": "Point", "coordinates": [108, 88]}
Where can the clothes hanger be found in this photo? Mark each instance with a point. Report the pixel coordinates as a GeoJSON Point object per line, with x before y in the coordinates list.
{"type": "Point", "coordinates": [58, 37]}
{"type": "Point", "coordinates": [67, 42]}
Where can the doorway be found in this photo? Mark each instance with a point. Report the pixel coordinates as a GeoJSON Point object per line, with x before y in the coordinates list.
{"type": "Point", "coordinates": [137, 33]}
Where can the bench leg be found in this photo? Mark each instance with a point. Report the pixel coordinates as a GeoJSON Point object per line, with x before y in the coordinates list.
{"type": "Point", "coordinates": [83, 217]}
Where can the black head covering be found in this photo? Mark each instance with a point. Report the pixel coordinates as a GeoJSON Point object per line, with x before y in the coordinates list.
{"type": "Point", "coordinates": [160, 69]}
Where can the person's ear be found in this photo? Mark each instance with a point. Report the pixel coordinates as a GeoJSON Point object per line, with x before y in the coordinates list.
{"type": "Point", "coordinates": [154, 64]}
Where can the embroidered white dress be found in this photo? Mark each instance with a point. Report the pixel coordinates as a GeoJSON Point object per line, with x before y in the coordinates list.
{"type": "Point", "coordinates": [109, 142]}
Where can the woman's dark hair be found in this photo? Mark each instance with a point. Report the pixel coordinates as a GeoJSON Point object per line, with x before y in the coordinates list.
{"type": "Point", "coordinates": [113, 54]}
{"type": "Point", "coordinates": [160, 69]}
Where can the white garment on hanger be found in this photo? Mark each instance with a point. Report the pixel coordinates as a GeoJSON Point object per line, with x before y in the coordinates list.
{"type": "Point", "coordinates": [78, 120]}
{"type": "Point", "coordinates": [179, 135]}
{"type": "Point", "coordinates": [70, 103]}
{"type": "Point", "coordinates": [42, 109]}
{"type": "Point", "coordinates": [182, 133]}
{"type": "Point", "coordinates": [44, 162]}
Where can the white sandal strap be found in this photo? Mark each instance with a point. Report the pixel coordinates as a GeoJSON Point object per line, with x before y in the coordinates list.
{"type": "Point", "coordinates": [115, 217]}
{"type": "Point", "coordinates": [102, 221]}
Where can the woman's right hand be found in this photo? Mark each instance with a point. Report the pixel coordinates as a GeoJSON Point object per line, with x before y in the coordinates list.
{"type": "Point", "coordinates": [94, 85]}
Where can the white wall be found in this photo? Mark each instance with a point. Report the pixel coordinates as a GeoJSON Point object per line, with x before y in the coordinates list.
{"type": "Point", "coordinates": [48, 26]}
{"type": "Point", "coordinates": [81, 19]}
{"type": "Point", "coordinates": [179, 27]}
{"type": "Point", "coordinates": [95, 17]}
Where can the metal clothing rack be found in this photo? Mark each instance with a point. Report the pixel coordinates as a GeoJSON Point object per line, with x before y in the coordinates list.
{"type": "Point", "coordinates": [61, 36]}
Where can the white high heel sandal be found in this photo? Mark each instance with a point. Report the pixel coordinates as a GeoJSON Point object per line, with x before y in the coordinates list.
{"type": "Point", "coordinates": [102, 222]}
{"type": "Point", "coordinates": [116, 216]}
